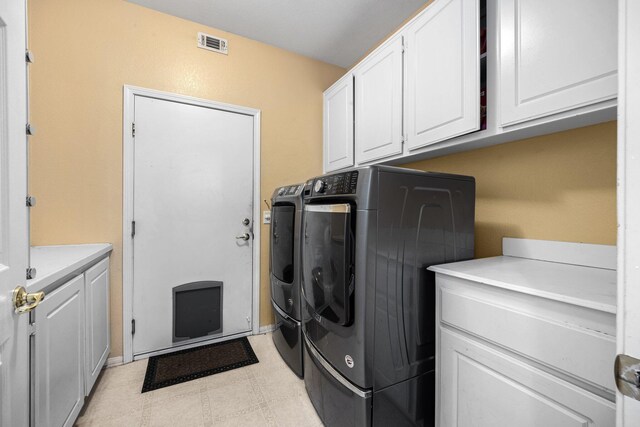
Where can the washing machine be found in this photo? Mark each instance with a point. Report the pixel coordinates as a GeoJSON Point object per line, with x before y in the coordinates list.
{"type": "Point", "coordinates": [285, 273]}
{"type": "Point", "coordinates": [368, 236]}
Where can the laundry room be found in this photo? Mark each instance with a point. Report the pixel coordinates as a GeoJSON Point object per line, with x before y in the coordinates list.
{"type": "Point", "coordinates": [412, 212]}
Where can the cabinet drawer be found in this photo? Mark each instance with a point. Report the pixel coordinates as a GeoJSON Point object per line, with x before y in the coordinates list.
{"type": "Point", "coordinates": [534, 327]}
{"type": "Point", "coordinates": [481, 386]}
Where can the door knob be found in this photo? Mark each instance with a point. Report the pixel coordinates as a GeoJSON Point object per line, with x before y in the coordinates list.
{"type": "Point", "coordinates": [24, 302]}
{"type": "Point", "coordinates": [244, 236]}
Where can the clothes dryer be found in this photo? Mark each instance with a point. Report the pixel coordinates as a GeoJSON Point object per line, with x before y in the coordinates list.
{"type": "Point", "coordinates": [369, 235]}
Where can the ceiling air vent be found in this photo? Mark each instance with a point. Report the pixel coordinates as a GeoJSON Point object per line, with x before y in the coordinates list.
{"type": "Point", "coordinates": [216, 44]}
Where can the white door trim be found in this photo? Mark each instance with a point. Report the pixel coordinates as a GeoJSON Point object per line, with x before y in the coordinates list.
{"type": "Point", "coordinates": [628, 199]}
{"type": "Point", "coordinates": [129, 94]}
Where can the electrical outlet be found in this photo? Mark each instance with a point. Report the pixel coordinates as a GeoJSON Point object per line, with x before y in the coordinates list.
{"type": "Point", "coordinates": [266, 217]}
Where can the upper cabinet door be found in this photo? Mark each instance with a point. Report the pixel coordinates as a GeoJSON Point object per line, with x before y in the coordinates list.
{"type": "Point", "coordinates": [443, 72]}
{"type": "Point", "coordinates": [338, 125]}
{"type": "Point", "coordinates": [556, 56]}
{"type": "Point", "coordinates": [378, 83]}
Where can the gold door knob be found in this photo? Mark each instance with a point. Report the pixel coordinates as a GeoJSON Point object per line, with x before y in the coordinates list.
{"type": "Point", "coordinates": [24, 302]}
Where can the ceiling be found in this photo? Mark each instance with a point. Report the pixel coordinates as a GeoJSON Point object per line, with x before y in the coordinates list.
{"type": "Point", "coordinates": [335, 31]}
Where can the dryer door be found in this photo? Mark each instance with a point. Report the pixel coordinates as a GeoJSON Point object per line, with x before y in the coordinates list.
{"type": "Point", "coordinates": [283, 269]}
{"type": "Point", "coordinates": [328, 278]}
{"type": "Point", "coordinates": [282, 223]}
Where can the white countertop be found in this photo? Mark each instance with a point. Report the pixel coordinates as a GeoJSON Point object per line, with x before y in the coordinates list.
{"type": "Point", "coordinates": [53, 263]}
{"type": "Point", "coordinates": [577, 285]}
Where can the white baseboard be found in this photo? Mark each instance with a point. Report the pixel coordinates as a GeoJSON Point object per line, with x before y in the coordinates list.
{"type": "Point", "coordinates": [114, 361]}
{"type": "Point", "coordinates": [266, 329]}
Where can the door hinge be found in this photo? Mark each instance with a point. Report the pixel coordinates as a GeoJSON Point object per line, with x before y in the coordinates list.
{"type": "Point", "coordinates": [31, 201]}
{"type": "Point", "coordinates": [627, 373]}
{"type": "Point", "coordinates": [133, 129]}
{"type": "Point", "coordinates": [30, 129]}
{"type": "Point", "coordinates": [32, 329]}
{"type": "Point", "coordinates": [31, 273]}
{"type": "Point", "coordinates": [133, 326]}
{"type": "Point", "coordinates": [133, 229]}
{"type": "Point", "coordinates": [28, 56]}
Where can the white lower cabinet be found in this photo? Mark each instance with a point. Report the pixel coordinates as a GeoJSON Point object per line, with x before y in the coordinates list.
{"type": "Point", "coordinates": [97, 324]}
{"type": "Point", "coordinates": [70, 345]}
{"type": "Point", "coordinates": [59, 355]}
{"type": "Point", "coordinates": [483, 386]}
{"type": "Point", "coordinates": [527, 341]}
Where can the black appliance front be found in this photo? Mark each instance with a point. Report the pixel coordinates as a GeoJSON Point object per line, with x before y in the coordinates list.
{"type": "Point", "coordinates": [285, 272]}
{"type": "Point", "coordinates": [287, 338]}
{"type": "Point", "coordinates": [404, 222]}
{"type": "Point", "coordinates": [337, 402]}
{"type": "Point", "coordinates": [328, 262]}
{"type": "Point", "coordinates": [285, 249]}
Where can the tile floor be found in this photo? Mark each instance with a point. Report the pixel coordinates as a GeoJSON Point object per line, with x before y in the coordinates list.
{"type": "Point", "coordinates": [262, 394]}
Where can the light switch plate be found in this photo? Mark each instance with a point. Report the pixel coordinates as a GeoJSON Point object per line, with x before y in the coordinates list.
{"type": "Point", "coordinates": [266, 217]}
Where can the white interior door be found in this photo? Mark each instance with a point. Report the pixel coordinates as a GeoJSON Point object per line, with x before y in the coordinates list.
{"type": "Point", "coordinates": [193, 198]}
{"type": "Point", "coordinates": [628, 409]}
{"type": "Point", "coordinates": [14, 344]}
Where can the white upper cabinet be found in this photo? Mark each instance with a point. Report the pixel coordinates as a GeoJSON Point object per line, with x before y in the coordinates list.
{"type": "Point", "coordinates": [338, 125]}
{"type": "Point", "coordinates": [555, 56]}
{"type": "Point", "coordinates": [378, 88]}
{"type": "Point", "coordinates": [442, 48]}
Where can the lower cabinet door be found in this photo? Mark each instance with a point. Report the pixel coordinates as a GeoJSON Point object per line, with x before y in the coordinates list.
{"type": "Point", "coordinates": [97, 324]}
{"type": "Point", "coordinates": [58, 351]}
{"type": "Point", "coordinates": [480, 386]}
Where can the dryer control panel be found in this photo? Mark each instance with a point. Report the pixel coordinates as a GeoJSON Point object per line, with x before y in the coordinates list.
{"type": "Point", "coordinates": [342, 183]}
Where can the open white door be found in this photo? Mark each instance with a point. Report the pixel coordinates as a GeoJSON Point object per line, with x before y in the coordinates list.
{"type": "Point", "coordinates": [628, 408]}
{"type": "Point", "coordinates": [14, 336]}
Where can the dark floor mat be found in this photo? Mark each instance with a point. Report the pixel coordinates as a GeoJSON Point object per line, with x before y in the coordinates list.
{"type": "Point", "coordinates": [193, 363]}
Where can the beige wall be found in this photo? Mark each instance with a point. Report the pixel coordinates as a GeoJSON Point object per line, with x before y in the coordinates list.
{"type": "Point", "coordinates": [86, 51]}
{"type": "Point", "coordinates": [559, 187]}
{"type": "Point", "coordinates": [554, 187]}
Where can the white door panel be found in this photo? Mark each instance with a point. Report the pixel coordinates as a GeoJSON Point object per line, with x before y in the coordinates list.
{"type": "Point", "coordinates": [14, 341]}
{"type": "Point", "coordinates": [507, 392]}
{"type": "Point", "coordinates": [556, 56]}
{"type": "Point", "coordinates": [338, 125]}
{"type": "Point", "coordinates": [59, 355]}
{"type": "Point", "coordinates": [193, 186]}
{"type": "Point", "coordinates": [97, 321]}
{"type": "Point", "coordinates": [378, 87]}
{"type": "Point", "coordinates": [443, 72]}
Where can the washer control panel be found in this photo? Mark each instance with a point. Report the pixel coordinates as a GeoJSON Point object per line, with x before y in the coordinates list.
{"type": "Point", "coordinates": [290, 190]}
{"type": "Point", "coordinates": [343, 183]}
